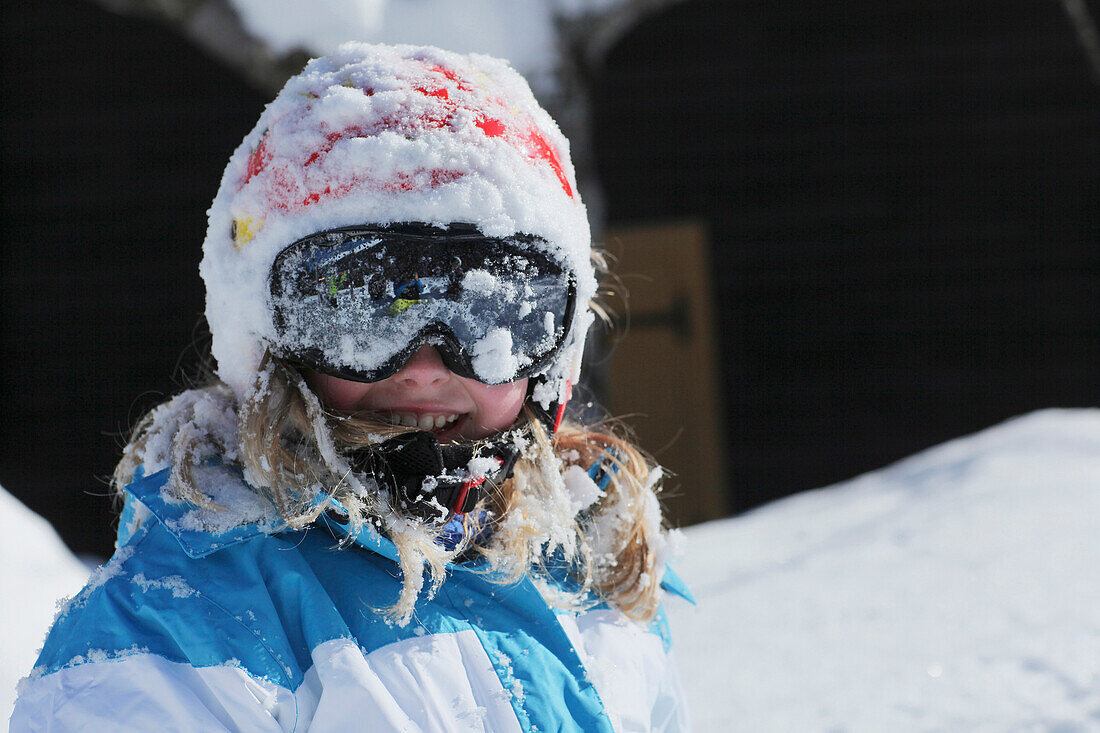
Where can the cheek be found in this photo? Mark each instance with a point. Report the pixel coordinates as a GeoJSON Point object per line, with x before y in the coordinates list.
{"type": "Point", "coordinates": [499, 405]}
{"type": "Point", "coordinates": [338, 394]}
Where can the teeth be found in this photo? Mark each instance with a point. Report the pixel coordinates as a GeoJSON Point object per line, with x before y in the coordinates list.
{"type": "Point", "coordinates": [424, 422]}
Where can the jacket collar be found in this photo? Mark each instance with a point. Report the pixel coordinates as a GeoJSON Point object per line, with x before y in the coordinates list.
{"type": "Point", "coordinates": [198, 535]}
{"type": "Point", "coordinates": [201, 531]}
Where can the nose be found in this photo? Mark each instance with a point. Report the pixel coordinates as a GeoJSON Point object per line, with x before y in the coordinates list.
{"type": "Point", "coordinates": [425, 368]}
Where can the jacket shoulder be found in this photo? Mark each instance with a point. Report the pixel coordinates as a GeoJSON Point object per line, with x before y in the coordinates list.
{"type": "Point", "coordinates": [152, 598]}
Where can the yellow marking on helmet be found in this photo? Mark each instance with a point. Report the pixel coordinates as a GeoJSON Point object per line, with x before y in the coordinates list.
{"type": "Point", "coordinates": [483, 79]}
{"type": "Point", "coordinates": [244, 230]}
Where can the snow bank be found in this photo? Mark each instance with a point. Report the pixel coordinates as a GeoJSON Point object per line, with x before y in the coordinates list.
{"type": "Point", "coordinates": [520, 31]}
{"type": "Point", "coordinates": [482, 26]}
{"type": "Point", "coordinates": [955, 590]}
{"type": "Point", "coordinates": [37, 571]}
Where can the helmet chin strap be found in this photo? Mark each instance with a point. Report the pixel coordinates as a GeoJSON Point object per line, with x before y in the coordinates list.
{"type": "Point", "coordinates": [550, 417]}
{"type": "Point", "coordinates": [433, 481]}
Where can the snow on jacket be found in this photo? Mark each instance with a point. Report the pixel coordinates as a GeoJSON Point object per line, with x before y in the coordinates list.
{"type": "Point", "coordinates": [184, 629]}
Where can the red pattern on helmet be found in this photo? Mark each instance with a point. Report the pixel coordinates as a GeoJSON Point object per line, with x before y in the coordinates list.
{"type": "Point", "coordinates": [538, 147]}
{"type": "Point", "coordinates": [257, 160]}
{"type": "Point", "coordinates": [285, 191]}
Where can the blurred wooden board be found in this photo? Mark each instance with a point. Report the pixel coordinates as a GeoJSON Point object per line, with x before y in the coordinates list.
{"type": "Point", "coordinates": [661, 365]}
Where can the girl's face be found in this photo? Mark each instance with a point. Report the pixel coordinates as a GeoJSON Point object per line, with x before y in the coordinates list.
{"type": "Point", "coordinates": [428, 395]}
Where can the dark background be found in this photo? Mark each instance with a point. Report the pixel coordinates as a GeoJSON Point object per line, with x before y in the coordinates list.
{"type": "Point", "coordinates": [903, 205]}
{"type": "Point", "coordinates": [901, 200]}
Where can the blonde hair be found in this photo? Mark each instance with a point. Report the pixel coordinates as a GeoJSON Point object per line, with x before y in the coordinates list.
{"type": "Point", "coordinates": [291, 450]}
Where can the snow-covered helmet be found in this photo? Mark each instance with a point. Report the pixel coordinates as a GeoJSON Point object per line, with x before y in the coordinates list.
{"type": "Point", "coordinates": [383, 151]}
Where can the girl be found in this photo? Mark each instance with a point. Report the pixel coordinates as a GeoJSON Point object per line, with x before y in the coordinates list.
{"type": "Point", "coordinates": [376, 517]}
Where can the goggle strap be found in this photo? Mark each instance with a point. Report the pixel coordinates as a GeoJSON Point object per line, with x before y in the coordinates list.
{"type": "Point", "coordinates": [561, 407]}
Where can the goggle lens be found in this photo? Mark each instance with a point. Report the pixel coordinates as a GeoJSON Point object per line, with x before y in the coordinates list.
{"type": "Point", "coordinates": [358, 303]}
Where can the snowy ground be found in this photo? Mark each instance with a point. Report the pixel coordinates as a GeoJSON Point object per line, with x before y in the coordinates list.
{"type": "Point", "coordinates": [956, 590]}
{"type": "Point", "coordinates": [37, 570]}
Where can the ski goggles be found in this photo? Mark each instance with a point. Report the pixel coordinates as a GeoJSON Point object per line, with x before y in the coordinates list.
{"type": "Point", "coordinates": [357, 303]}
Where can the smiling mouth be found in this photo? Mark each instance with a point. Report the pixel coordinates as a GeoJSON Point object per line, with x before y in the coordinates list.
{"type": "Point", "coordinates": [436, 423]}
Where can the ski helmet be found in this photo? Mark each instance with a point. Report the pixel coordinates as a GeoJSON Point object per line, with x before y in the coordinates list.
{"type": "Point", "coordinates": [418, 154]}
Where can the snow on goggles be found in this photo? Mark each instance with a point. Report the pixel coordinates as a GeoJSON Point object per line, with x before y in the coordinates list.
{"type": "Point", "coordinates": [358, 302]}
